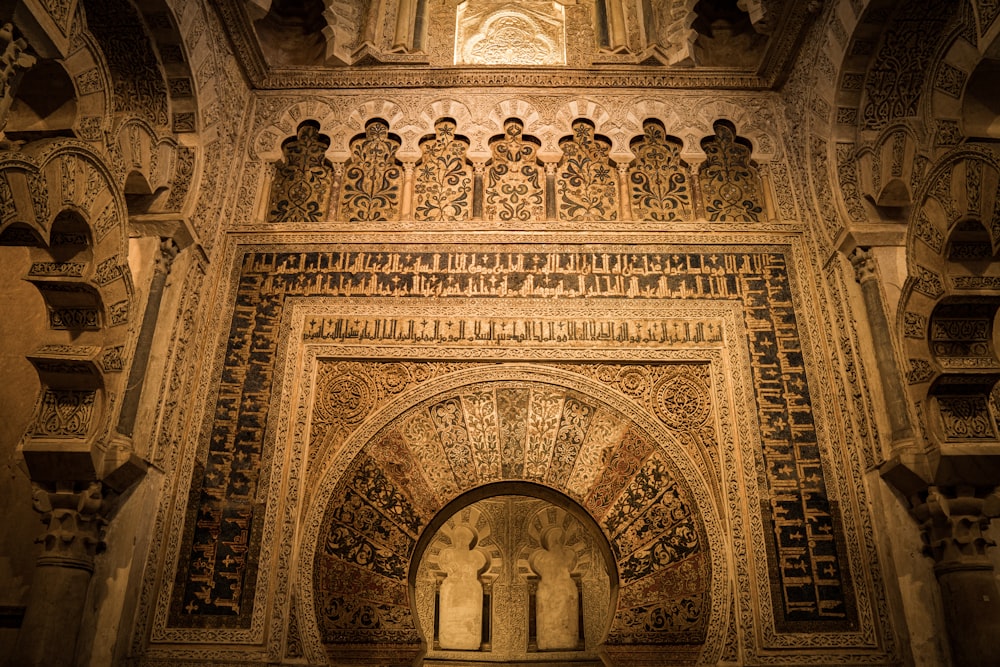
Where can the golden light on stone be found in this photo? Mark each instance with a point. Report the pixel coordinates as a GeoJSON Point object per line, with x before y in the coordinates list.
{"type": "Point", "coordinates": [510, 33]}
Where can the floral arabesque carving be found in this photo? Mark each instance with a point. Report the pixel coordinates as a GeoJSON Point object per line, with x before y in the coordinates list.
{"type": "Point", "coordinates": [514, 180]}
{"type": "Point", "coordinates": [586, 180]}
{"type": "Point", "coordinates": [443, 183]}
{"type": "Point", "coordinates": [658, 178]}
{"type": "Point", "coordinates": [730, 184]}
{"type": "Point", "coordinates": [302, 183]}
{"type": "Point", "coordinates": [372, 177]}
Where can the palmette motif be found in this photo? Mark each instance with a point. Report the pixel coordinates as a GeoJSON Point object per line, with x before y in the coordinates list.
{"type": "Point", "coordinates": [514, 183]}
{"type": "Point", "coordinates": [587, 181]}
{"type": "Point", "coordinates": [373, 177]}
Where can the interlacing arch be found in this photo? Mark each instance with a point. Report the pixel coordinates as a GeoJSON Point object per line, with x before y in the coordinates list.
{"type": "Point", "coordinates": [62, 202]}
{"type": "Point", "coordinates": [952, 292]}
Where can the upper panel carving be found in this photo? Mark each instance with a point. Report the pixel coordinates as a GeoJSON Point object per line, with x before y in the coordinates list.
{"type": "Point", "coordinates": [509, 33]}
{"type": "Point", "coordinates": [677, 43]}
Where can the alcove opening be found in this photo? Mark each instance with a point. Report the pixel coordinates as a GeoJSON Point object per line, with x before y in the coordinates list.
{"type": "Point", "coordinates": [513, 572]}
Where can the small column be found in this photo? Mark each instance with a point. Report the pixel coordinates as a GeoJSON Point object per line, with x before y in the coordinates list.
{"type": "Point", "coordinates": [892, 385]}
{"type": "Point", "coordinates": [478, 171]}
{"type": "Point", "coordinates": [406, 201]}
{"type": "Point", "coordinates": [73, 516]}
{"type": "Point", "coordinates": [338, 181]}
{"type": "Point", "coordinates": [953, 522]}
{"type": "Point", "coordinates": [550, 191]}
{"type": "Point", "coordinates": [625, 208]}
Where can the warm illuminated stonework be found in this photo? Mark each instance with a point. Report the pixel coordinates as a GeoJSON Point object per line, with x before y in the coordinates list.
{"type": "Point", "coordinates": [473, 332]}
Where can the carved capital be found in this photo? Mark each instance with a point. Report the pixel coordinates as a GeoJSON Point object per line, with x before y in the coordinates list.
{"type": "Point", "coordinates": [74, 518]}
{"type": "Point", "coordinates": [165, 258]}
{"type": "Point", "coordinates": [953, 522]}
{"type": "Point", "coordinates": [864, 264]}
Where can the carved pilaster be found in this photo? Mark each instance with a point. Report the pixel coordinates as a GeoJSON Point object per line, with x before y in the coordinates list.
{"type": "Point", "coordinates": [14, 61]}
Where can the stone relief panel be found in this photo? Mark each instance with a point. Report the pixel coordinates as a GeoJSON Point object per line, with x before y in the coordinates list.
{"type": "Point", "coordinates": [303, 181]}
{"type": "Point", "coordinates": [443, 178]}
{"type": "Point", "coordinates": [372, 176]}
{"type": "Point", "coordinates": [510, 33]}
{"type": "Point", "coordinates": [658, 178]}
{"type": "Point", "coordinates": [586, 180]}
{"type": "Point", "coordinates": [730, 185]}
{"type": "Point", "coordinates": [464, 443]}
{"type": "Point", "coordinates": [515, 182]}
{"type": "Point", "coordinates": [472, 437]}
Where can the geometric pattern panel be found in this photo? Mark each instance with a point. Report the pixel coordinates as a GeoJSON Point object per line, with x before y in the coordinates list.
{"type": "Point", "coordinates": [216, 570]}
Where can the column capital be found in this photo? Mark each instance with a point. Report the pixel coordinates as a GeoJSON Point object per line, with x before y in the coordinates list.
{"type": "Point", "coordinates": [14, 59]}
{"type": "Point", "coordinates": [953, 522]}
{"type": "Point", "coordinates": [864, 264]}
{"type": "Point", "coordinates": [74, 517]}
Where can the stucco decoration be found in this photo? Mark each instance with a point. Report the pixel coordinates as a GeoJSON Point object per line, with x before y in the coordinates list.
{"type": "Point", "coordinates": [510, 33]}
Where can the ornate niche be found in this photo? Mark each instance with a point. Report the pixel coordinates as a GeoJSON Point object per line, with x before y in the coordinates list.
{"type": "Point", "coordinates": [730, 184]}
{"type": "Point", "coordinates": [303, 181]}
{"type": "Point", "coordinates": [510, 33]}
{"type": "Point", "coordinates": [514, 189]}
{"type": "Point", "coordinates": [442, 189]}
{"type": "Point", "coordinates": [587, 180]}
{"type": "Point", "coordinates": [606, 512]}
{"type": "Point", "coordinates": [541, 581]}
{"type": "Point", "coordinates": [373, 177]}
{"type": "Point", "coordinates": [659, 185]}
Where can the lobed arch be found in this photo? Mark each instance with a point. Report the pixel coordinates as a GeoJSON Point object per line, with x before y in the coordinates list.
{"type": "Point", "coordinates": [890, 165]}
{"type": "Point", "coordinates": [145, 164]}
{"type": "Point", "coordinates": [378, 436]}
{"type": "Point", "coordinates": [62, 190]}
{"type": "Point", "coordinates": [952, 242]}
